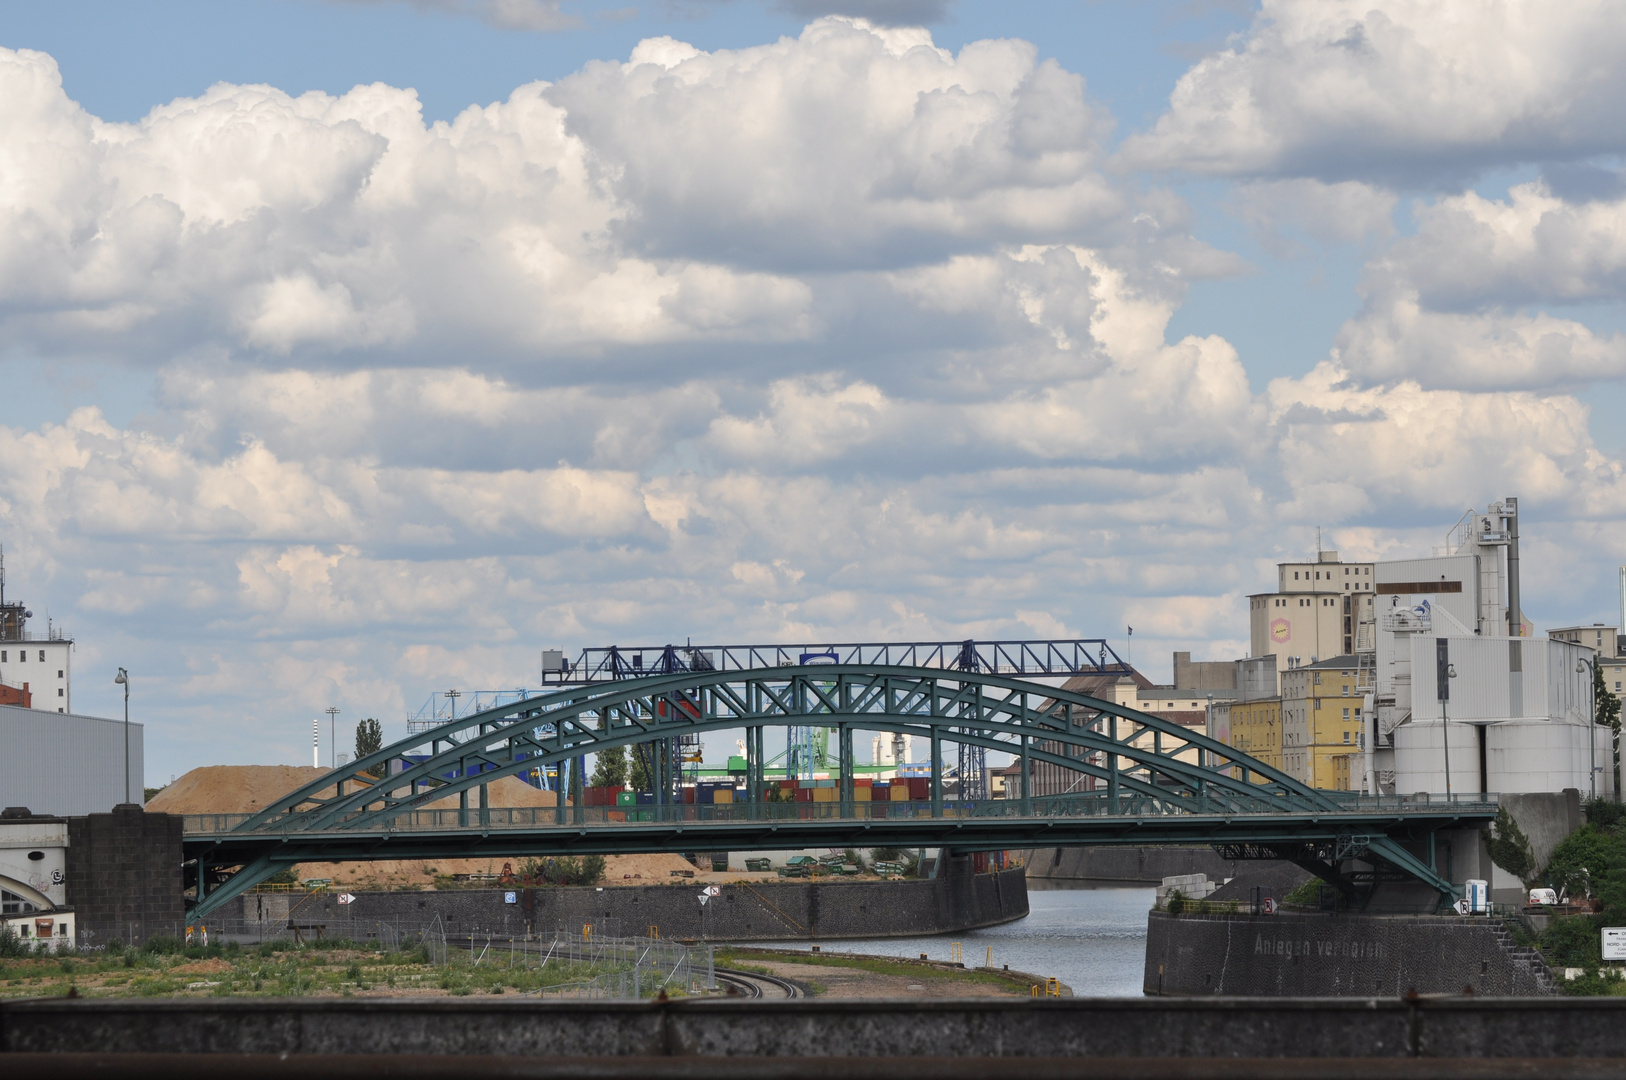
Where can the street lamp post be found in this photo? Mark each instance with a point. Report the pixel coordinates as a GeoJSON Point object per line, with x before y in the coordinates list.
{"type": "Point", "coordinates": [1584, 667]}
{"type": "Point", "coordinates": [123, 679]}
{"type": "Point", "coordinates": [333, 738]}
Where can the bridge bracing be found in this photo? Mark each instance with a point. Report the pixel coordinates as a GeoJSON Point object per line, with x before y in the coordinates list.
{"type": "Point", "coordinates": [1147, 780]}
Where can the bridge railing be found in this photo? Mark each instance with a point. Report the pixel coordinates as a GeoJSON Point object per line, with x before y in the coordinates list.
{"type": "Point", "coordinates": [1090, 804]}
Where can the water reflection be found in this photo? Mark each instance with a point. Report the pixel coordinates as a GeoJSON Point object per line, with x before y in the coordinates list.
{"type": "Point", "coordinates": [1094, 940]}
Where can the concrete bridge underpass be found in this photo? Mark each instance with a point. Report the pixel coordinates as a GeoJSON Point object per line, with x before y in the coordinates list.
{"type": "Point", "coordinates": [1146, 780]}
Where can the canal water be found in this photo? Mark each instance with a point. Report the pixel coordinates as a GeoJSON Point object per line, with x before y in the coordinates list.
{"type": "Point", "coordinates": [1093, 940]}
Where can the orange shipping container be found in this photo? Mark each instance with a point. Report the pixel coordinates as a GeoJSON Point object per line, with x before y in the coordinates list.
{"type": "Point", "coordinates": [824, 794]}
{"type": "Point", "coordinates": [900, 792]}
{"type": "Point", "coordinates": [861, 794]}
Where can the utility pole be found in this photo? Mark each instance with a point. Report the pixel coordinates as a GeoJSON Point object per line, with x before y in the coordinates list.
{"type": "Point", "coordinates": [332, 738]}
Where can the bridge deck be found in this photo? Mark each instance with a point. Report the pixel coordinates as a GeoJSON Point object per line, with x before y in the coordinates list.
{"type": "Point", "coordinates": [688, 828]}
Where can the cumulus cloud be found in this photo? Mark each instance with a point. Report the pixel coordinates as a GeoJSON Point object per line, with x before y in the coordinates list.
{"type": "Point", "coordinates": [840, 336]}
{"type": "Point", "coordinates": [1403, 90]}
{"type": "Point", "coordinates": [1532, 247]}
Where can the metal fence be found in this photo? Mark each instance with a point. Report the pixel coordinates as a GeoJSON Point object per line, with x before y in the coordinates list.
{"type": "Point", "coordinates": [611, 963]}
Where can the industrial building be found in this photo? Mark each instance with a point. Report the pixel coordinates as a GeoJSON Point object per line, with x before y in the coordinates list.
{"type": "Point", "coordinates": [36, 669]}
{"type": "Point", "coordinates": [33, 876]}
{"type": "Point", "coordinates": [64, 764]}
{"type": "Point", "coordinates": [1385, 671]}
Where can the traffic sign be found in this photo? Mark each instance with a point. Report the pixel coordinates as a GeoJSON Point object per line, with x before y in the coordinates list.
{"type": "Point", "coordinates": [1461, 906]}
{"type": "Point", "coordinates": [1269, 906]}
{"type": "Point", "coordinates": [346, 898]}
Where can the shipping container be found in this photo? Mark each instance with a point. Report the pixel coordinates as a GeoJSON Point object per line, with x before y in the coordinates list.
{"type": "Point", "coordinates": [804, 794]}
{"type": "Point", "coordinates": [824, 794]}
{"type": "Point", "coordinates": [920, 788]}
{"type": "Point", "coordinates": [861, 794]}
{"type": "Point", "coordinates": [865, 782]}
{"type": "Point", "coordinates": [723, 795]}
{"type": "Point", "coordinates": [900, 791]}
{"type": "Point", "coordinates": [626, 798]}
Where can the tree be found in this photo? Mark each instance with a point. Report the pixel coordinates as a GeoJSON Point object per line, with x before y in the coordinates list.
{"type": "Point", "coordinates": [1606, 709]}
{"type": "Point", "coordinates": [610, 767]}
{"type": "Point", "coordinates": [370, 740]}
{"type": "Point", "coordinates": [641, 777]}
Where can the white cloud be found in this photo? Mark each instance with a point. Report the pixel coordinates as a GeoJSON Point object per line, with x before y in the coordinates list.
{"type": "Point", "coordinates": [843, 336]}
{"type": "Point", "coordinates": [1341, 213]}
{"type": "Point", "coordinates": [1532, 247]}
{"type": "Point", "coordinates": [1395, 337]}
{"type": "Point", "coordinates": [1398, 89]}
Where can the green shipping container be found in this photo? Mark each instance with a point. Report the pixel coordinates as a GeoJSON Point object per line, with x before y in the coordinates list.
{"type": "Point", "coordinates": [626, 798]}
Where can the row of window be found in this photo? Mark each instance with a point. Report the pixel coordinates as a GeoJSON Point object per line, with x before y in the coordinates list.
{"type": "Point", "coordinates": [22, 658]}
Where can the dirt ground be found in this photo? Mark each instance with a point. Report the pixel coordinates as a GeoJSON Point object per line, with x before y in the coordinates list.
{"type": "Point", "coordinates": [854, 983]}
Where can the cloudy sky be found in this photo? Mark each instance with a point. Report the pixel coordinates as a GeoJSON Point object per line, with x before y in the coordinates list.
{"type": "Point", "coordinates": [355, 350]}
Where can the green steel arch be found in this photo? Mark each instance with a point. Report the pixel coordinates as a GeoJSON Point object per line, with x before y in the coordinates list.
{"type": "Point", "coordinates": [1141, 763]}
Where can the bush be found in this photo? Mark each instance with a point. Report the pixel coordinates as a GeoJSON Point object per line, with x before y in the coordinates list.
{"type": "Point", "coordinates": [1572, 942]}
{"type": "Point", "coordinates": [1306, 895]}
{"type": "Point", "coordinates": [1509, 848]}
{"type": "Point", "coordinates": [1175, 902]}
{"type": "Point", "coordinates": [1605, 814]}
{"type": "Point", "coordinates": [163, 944]}
{"type": "Point", "coordinates": [1586, 855]}
{"type": "Point", "coordinates": [11, 945]}
{"type": "Point", "coordinates": [569, 870]}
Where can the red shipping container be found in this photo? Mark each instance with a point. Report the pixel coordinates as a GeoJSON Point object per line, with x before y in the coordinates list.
{"type": "Point", "coordinates": [601, 796]}
{"type": "Point", "coordinates": [804, 794]}
{"type": "Point", "coordinates": [863, 783]}
{"type": "Point", "coordinates": [979, 862]}
{"type": "Point", "coordinates": [920, 788]}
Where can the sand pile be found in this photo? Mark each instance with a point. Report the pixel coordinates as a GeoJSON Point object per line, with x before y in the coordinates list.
{"type": "Point", "coordinates": [244, 789]}
{"type": "Point", "coordinates": [232, 789]}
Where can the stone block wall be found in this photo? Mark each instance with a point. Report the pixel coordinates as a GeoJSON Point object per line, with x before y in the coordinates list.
{"type": "Point", "coordinates": [760, 911]}
{"type": "Point", "coordinates": [1337, 955]}
{"type": "Point", "coordinates": [124, 875]}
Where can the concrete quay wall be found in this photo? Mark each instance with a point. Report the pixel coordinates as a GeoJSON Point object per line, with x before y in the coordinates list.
{"type": "Point", "coordinates": [794, 910]}
{"type": "Point", "coordinates": [1210, 1028]}
{"type": "Point", "coordinates": [1110, 865]}
{"type": "Point", "coordinates": [1337, 955]}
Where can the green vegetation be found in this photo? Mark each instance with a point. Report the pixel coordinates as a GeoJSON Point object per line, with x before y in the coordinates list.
{"type": "Point", "coordinates": [1590, 862]}
{"type": "Point", "coordinates": [370, 740]}
{"type": "Point", "coordinates": [563, 870]}
{"type": "Point", "coordinates": [610, 767]}
{"type": "Point", "coordinates": [1510, 849]}
{"type": "Point", "coordinates": [165, 967]}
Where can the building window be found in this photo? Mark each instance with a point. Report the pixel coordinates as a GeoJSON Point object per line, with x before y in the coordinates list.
{"type": "Point", "coordinates": [42, 656]}
{"type": "Point", "coordinates": [59, 673]}
{"type": "Point", "coordinates": [22, 656]}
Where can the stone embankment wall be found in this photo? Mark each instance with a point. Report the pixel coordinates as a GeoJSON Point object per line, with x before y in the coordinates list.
{"type": "Point", "coordinates": [1339, 955]}
{"type": "Point", "coordinates": [908, 1033]}
{"type": "Point", "coordinates": [956, 899]}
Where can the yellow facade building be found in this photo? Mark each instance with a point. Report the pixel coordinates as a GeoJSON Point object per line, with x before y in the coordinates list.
{"type": "Point", "coordinates": [1322, 722]}
{"type": "Point", "coordinates": [1256, 729]}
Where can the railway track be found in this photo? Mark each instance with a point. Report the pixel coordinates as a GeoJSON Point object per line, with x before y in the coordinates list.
{"type": "Point", "coordinates": [751, 985]}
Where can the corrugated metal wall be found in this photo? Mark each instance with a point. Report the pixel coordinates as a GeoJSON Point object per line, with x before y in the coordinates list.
{"type": "Point", "coordinates": [60, 763]}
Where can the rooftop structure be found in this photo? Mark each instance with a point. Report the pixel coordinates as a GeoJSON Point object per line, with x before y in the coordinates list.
{"type": "Point", "coordinates": [41, 661]}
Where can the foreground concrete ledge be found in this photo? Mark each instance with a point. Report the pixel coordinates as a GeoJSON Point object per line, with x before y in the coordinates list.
{"type": "Point", "coordinates": [1025, 1028]}
{"type": "Point", "coordinates": [345, 1067]}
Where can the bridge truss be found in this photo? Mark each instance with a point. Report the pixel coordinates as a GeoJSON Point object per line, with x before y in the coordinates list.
{"type": "Point", "coordinates": [1147, 779]}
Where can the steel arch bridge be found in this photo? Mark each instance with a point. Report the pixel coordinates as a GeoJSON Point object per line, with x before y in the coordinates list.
{"type": "Point", "coordinates": [1149, 780]}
